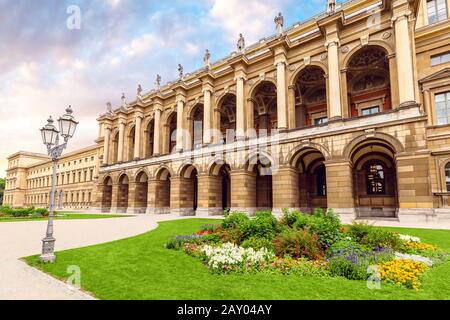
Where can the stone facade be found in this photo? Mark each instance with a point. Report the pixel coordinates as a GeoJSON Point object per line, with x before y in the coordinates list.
{"type": "Point", "coordinates": [349, 110]}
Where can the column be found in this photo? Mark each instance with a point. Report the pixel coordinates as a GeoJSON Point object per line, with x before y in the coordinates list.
{"type": "Point", "coordinates": [137, 138]}
{"type": "Point", "coordinates": [121, 141]}
{"type": "Point", "coordinates": [240, 108]}
{"type": "Point", "coordinates": [106, 146]}
{"type": "Point", "coordinates": [180, 127]}
{"type": "Point", "coordinates": [132, 188]}
{"type": "Point", "coordinates": [157, 133]}
{"type": "Point", "coordinates": [404, 59]}
{"type": "Point", "coordinates": [334, 84]}
{"type": "Point", "coordinates": [243, 191]}
{"type": "Point", "coordinates": [427, 102]}
{"type": "Point", "coordinates": [340, 189]}
{"type": "Point", "coordinates": [285, 188]}
{"type": "Point", "coordinates": [114, 197]}
{"type": "Point", "coordinates": [207, 116]}
{"type": "Point", "coordinates": [209, 195]}
{"type": "Point", "coordinates": [281, 95]}
{"type": "Point", "coordinates": [181, 193]}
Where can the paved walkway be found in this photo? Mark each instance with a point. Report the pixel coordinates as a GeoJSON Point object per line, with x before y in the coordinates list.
{"type": "Point", "coordinates": [21, 239]}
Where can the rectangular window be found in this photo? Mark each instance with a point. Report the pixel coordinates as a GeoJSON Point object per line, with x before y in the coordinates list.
{"type": "Point", "coordinates": [320, 121]}
{"type": "Point", "coordinates": [442, 102]}
{"type": "Point", "coordinates": [440, 58]}
{"type": "Point", "coordinates": [437, 11]}
{"type": "Point", "coordinates": [369, 111]}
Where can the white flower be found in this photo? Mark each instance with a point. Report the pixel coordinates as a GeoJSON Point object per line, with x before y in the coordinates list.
{"type": "Point", "coordinates": [414, 257]}
{"type": "Point", "coordinates": [408, 238]}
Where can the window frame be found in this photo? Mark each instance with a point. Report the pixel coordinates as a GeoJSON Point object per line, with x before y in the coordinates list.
{"type": "Point", "coordinates": [434, 4]}
{"type": "Point", "coordinates": [370, 182]}
{"type": "Point", "coordinates": [447, 176]}
{"type": "Point", "coordinates": [446, 102]}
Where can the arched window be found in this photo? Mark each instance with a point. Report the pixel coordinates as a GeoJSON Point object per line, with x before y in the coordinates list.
{"type": "Point", "coordinates": [447, 176]}
{"type": "Point", "coordinates": [375, 177]}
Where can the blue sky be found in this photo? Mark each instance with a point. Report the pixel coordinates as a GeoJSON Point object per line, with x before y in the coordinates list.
{"type": "Point", "coordinates": [121, 43]}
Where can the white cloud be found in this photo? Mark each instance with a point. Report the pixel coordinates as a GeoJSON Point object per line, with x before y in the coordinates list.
{"type": "Point", "coordinates": [141, 45]}
{"type": "Point", "coordinates": [253, 18]}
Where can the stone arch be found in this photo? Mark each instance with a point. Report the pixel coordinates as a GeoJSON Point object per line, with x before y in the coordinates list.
{"type": "Point", "coordinates": [294, 77]}
{"type": "Point", "coordinates": [389, 140]}
{"type": "Point", "coordinates": [187, 169]}
{"type": "Point", "coordinates": [215, 165]}
{"type": "Point", "coordinates": [195, 125]}
{"type": "Point", "coordinates": [107, 188]}
{"type": "Point", "coordinates": [255, 85]}
{"type": "Point", "coordinates": [141, 191]}
{"type": "Point", "coordinates": [385, 46]}
{"type": "Point", "coordinates": [163, 172]}
{"type": "Point", "coordinates": [322, 149]}
{"type": "Point", "coordinates": [252, 159]}
{"type": "Point", "coordinates": [139, 172]}
{"type": "Point", "coordinates": [262, 109]}
{"type": "Point", "coordinates": [224, 117]}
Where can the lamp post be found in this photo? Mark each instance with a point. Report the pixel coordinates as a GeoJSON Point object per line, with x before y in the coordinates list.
{"type": "Point", "coordinates": [50, 137]}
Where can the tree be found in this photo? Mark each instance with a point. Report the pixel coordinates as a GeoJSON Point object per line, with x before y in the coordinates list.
{"type": "Point", "coordinates": [2, 189]}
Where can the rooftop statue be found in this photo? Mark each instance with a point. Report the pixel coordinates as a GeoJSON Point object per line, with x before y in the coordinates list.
{"type": "Point", "coordinates": [279, 22]}
{"type": "Point", "coordinates": [158, 82]}
{"type": "Point", "coordinates": [206, 59]}
{"type": "Point", "coordinates": [180, 71]}
{"type": "Point", "coordinates": [139, 92]}
{"type": "Point", "coordinates": [331, 7]}
{"type": "Point", "coordinates": [124, 100]}
{"type": "Point", "coordinates": [241, 43]}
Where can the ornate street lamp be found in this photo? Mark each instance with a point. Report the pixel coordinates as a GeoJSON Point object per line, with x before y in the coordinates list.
{"type": "Point", "coordinates": [50, 137]}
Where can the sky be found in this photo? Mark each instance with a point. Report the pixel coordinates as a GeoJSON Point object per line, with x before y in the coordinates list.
{"type": "Point", "coordinates": [49, 59]}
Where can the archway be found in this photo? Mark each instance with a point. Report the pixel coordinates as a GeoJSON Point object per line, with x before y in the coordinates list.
{"type": "Point", "coordinates": [311, 97]}
{"type": "Point", "coordinates": [122, 196]}
{"type": "Point", "coordinates": [131, 143]}
{"type": "Point", "coordinates": [221, 186]}
{"type": "Point", "coordinates": [149, 138]}
{"type": "Point", "coordinates": [115, 149]}
{"type": "Point", "coordinates": [162, 191]}
{"type": "Point", "coordinates": [260, 166]}
{"type": "Point", "coordinates": [368, 82]}
{"type": "Point", "coordinates": [141, 193]}
{"type": "Point", "coordinates": [374, 179]}
{"type": "Point", "coordinates": [171, 132]}
{"type": "Point", "coordinates": [106, 196]}
{"type": "Point", "coordinates": [189, 189]}
{"type": "Point", "coordinates": [312, 179]}
{"type": "Point", "coordinates": [264, 100]}
{"type": "Point", "coordinates": [196, 126]}
{"type": "Point", "coordinates": [227, 118]}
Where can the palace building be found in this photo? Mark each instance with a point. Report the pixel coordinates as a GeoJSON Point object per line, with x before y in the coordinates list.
{"type": "Point", "coordinates": [348, 110]}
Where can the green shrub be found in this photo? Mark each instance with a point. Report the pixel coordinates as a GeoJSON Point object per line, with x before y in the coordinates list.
{"type": "Point", "coordinates": [292, 218]}
{"type": "Point", "coordinates": [41, 212]}
{"type": "Point", "coordinates": [177, 242]}
{"type": "Point", "coordinates": [262, 225]}
{"type": "Point", "coordinates": [359, 231]}
{"type": "Point", "coordinates": [211, 238]}
{"type": "Point", "coordinates": [326, 225]}
{"type": "Point", "coordinates": [233, 235]}
{"type": "Point", "coordinates": [22, 212]}
{"type": "Point", "coordinates": [258, 243]}
{"type": "Point", "coordinates": [379, 238]}
{"type": "Point", "coordinates": [235, 220]}
{"type": "Point", "coordinates": [298, 243]}
{"type": "Point", "coordinates": [208, 228]}
{"type": "Point", "coordinates": [6, 210]}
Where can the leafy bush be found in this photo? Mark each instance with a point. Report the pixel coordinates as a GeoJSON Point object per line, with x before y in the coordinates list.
{"type": "Point", "coordinates": [178, 242]}
{"type": "Point", "coordinates": [262, 225]}
{"type": "Point", "coordinates": [350, 260]}
{"type": "Point", "coordinates": [41, 211]}
{"type": "Point", "coordinates": [359, 231]}
{"type": "Point", "coordinates": [233, 235]}
{"type": "Point", "coordinates": [235, 220]}
{"type": "Point", "coordinates": [291, 218]}
{"type": "Point", "coordinates": [258, 243]}
{"type": "Point", "coordinates": [378, 238]}
{"type": "Point", "coordinates": [6, 210]}
{"type": "Point", "coordinates": [23, 212]}
{"type": "Point", "coordinates": [327, 226]}
{"type": "Point", "coordinates": [298, 243]}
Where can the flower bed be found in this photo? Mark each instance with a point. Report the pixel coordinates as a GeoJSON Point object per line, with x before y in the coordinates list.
{"type": "Point", "coordinates": [314, 245]}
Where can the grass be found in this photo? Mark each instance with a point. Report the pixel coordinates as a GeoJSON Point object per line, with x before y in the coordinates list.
{"type": "Point", "coordinates": [65, 216]}
{"type": "Point", "coordinates": [141, 268]}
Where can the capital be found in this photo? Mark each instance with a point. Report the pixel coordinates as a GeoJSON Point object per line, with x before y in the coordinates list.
{"type": "Point", "coordinates": [331, 43]}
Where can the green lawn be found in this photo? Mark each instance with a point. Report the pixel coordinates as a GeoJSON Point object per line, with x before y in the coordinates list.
{"type": "Point", "coordinates": [141, 268]}
{"type": "Point", "coordinates": [67, 216]}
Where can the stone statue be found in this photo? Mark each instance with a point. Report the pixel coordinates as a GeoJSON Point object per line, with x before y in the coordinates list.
{"type": "Point", "coordinates": [206, 59]}
{"type": "Point", "coordinates": [241, 43]}
{"type": "Point", "coordinates": [158, 82]}
{"type": "Point", "coordinates": [109, 110]}
{"type": "Point", "coordinates": [331, 6]}
{"type": "Point", "coordinates": [139, 92]}
{"type": "Point", "coordinates": [180, 71]}
{"type": "Point", "coordinates": [279, 22]}
{"type": "Point", "coordinates": [124, 100]}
